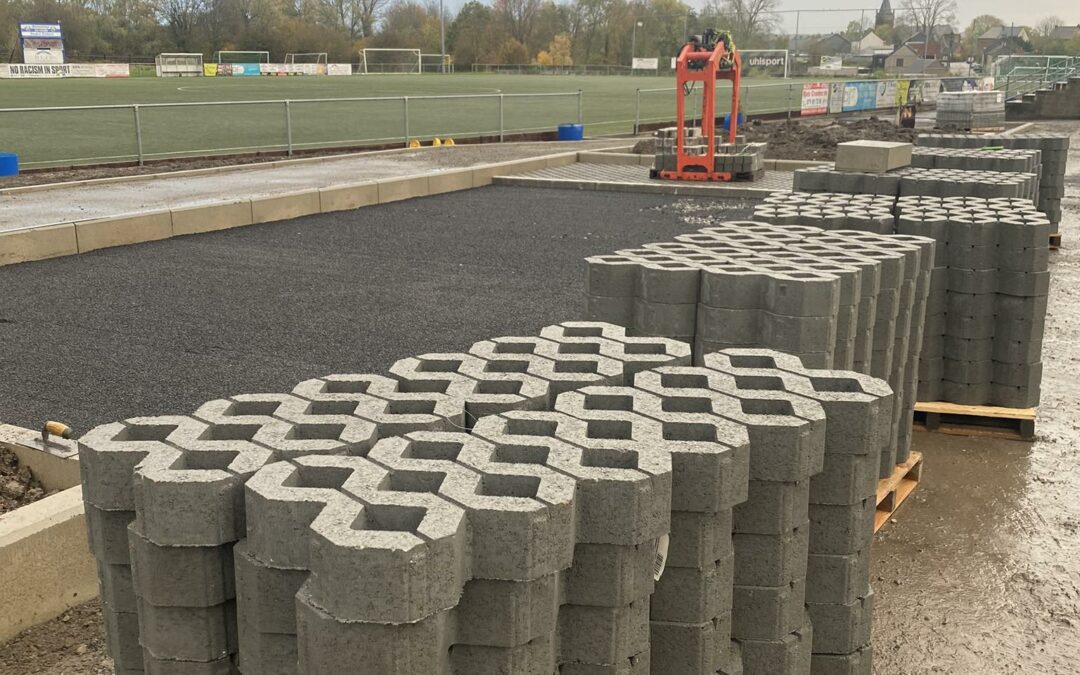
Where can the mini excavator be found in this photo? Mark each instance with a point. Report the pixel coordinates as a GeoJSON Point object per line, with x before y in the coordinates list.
{"type": "Point", "coordinates": [705, 59]}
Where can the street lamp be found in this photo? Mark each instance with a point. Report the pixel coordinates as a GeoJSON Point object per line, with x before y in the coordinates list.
{"type": "Point", "coordinates": [633, 41]}
{"type": "Point", "coordinates": [442, 41]}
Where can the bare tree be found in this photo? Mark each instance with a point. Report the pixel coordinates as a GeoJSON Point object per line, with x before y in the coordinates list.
{"type": "Point", "coordinates": [519, 16]}
{"type": "Point", "coordinates": [924, 15]}
{"type": "Point", "coordinates": [181, 18]}
{"type": "Point", "coordinates": [750, 18]}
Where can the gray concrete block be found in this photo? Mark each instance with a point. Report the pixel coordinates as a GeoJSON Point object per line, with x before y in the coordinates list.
{"type": "Point", "coordinates": [839, 530]}
{"type": "Point", "coordinates": [507, 613]}
{"type": "Point", "coordinates": [772, 508]}
{"type": "Point", "coordinates": [858, 662]}
{"type": "Point", "coordinates": [543, 359]}
{"type": "Point", "coordinates": [845, 479]}
{"type": "Point", "coordinates": [623, 496]}
{"type": "Point", "coordinates": [872, 156]}
{"type": "Point", "coordinates": [328, 646]}
{"type": "Point", "coordinates": [635, 353]}
{"type": "Point", "coordinates": [699, 539]}
{"type": "Point", "coordinates": [188, 633]}
{"type": "Point", "coordinates": [767, 612]}
{"type": "Point", "coordinates": [605, 575]}
{"type": "Point", "coordinates": [612, 275]}
{"type": "Point", "coordinates": [788, 654]}
{"type": "Point", "coordinates": [122, 639]}
{"type": "Point", "coordinates": [265, 595]}
{"type": "Point", "coordinates": [117, 588]}
{"type": "Point", "coordinates": [269, 653]}
{"type": "Point", "coordinates": [771, 560]}
{"type": "Point", "coordinates": [603, 634]}
{"type": "Point", "coordinates": [689, 648]}
{"type": "Point", "coordinates": [693, 595]}
{"type": "Point", "coordinates": [670, 320]}
{"type": "Point", "coordinates": [639, 664]}
{"type": "Point", "coordinates": [608, 309]}
{"type": "Point", "coordinates": [537, 657]}
{"type": "Point", "coordinates": [841, 629]}
{"type": "Point", "coordinates": [156, 666]}
{"type": "Point", "coordinates": [181, 576]}
{"type": "Point", "coordinates": [107, 534]}
{"type": "Point", "coordinates": [837, 579]}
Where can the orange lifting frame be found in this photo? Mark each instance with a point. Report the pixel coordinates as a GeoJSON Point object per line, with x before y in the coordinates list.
{"type": "Point", "coordinates": [697, 167]}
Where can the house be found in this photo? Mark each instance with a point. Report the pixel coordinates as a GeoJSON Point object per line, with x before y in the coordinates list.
{"type": "Point", "coordinates": [1004, 47]}
{"type": "Point", "coordinates": [885, 15]}
{"type": "Point", "coordinates": [941, 45]}
{"type": "Point", "coordinates": [867, 44]}
{"type": "Point", "coordinates": [830, 45]}
{"type": "Point", "coordinates": [906, 60]}
{"type": "Point", "coordinates": [1065, 33]}
{"type": "Point", "coordinates": [797, 44]}
{"type": "Point", "coordinates": [1004, 40]}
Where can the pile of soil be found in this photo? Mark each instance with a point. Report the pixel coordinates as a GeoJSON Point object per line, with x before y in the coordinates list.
{"type": "Point", "coordinates": [18, 487]}
{"type": "Point", "coordinates": [800, 139]}
{"type": "Point", "coordinates": [71, 644]}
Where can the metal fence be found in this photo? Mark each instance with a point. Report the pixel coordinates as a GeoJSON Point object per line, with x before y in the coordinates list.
{"type": "Point", "coordinates": [1019, 75]}
{"type": "Point", "coordinates": [100, 134]}
{"type": "Point", "coordinates": [653, 106]}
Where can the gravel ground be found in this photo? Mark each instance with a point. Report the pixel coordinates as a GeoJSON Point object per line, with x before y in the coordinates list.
{"type": "Point", "coordinates": [162, 327]}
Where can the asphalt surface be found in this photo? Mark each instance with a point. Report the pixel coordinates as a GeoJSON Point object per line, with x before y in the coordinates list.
{"type": "Point", "coordinates": [161, 327]}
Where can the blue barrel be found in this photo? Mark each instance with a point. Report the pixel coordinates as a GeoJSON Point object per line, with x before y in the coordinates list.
{"type": "Point", "coordinates": [727, 120]}
{"type": "Point", "coordinates": [571, 132]}
{"type": "Point", "coordinates": [9, 164]}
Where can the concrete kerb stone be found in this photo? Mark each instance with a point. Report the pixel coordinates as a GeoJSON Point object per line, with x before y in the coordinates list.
{"type": "Point", "coordinates": [38, 243]}
{"type": "Point", "coordinates": [119, 231]}
{"type": "Point", "coordinates": [212, 217]}
{"type": "Point", "coordinates": [283, 207]}
{"type": "Point", "coordinates": [348, 197]}
{"type": "Point", "coordinates": [397, 189]}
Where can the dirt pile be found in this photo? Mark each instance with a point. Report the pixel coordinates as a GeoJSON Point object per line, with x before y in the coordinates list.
{"type": "Point", "coordinates": [801, 139]}
{"type": "Point", "coordinates": [71, 644]}
{"type": "Point", "coordinates": [18, 487]}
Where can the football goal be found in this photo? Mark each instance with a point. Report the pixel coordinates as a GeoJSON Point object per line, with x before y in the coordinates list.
{"type": "Point", "coordinates": [178, 65]}
{"type": "Point", "coordinates": [436, 63]}
{"type": "Point", "coordinates": [387, 60]}
{"type": "Point", "coordinates": [242, 57]}
{"type": "Point", "coordinates": [293, 58]}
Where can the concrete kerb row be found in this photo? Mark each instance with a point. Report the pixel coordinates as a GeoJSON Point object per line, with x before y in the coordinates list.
{"type": "Point", "coordinates": [61, 239]}
{"type": "Point", "coordinates": [354, 525]}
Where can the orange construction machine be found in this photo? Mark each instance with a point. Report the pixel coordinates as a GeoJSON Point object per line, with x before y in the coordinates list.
{"type": "Point", "coordinates": [705, 59]}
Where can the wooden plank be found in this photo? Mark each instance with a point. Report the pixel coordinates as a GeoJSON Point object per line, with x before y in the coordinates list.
{"type": "Point", "coordinates": [894, 490]}
{"type": "Point", "coordinates": [975, 420]}
{"type": "Point", "coordinates": [1055, 241]}
{"type": "Point", "coordinates": [943, 408]}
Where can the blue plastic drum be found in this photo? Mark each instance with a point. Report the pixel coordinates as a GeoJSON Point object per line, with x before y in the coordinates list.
{"type": "Point", "coordinates": [9, 164]}
{"type": "Point", "coordinates": [571, 132]}
{"type": "Point", "coordinates": [727, 120]}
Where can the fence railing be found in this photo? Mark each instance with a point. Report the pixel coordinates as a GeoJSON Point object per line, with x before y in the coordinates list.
{"type": "Point", "coordinates": [653, 106]}
{"type": "Point", "coordinates": [101, 134]}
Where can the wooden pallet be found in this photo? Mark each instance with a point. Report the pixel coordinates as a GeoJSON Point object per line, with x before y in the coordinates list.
{"type": "Point", "coordinates": [894, 490]}
{"type": "Point", "coordinates": [1055, 241]}
{"type": "Point", "coordinates": [975, 420]}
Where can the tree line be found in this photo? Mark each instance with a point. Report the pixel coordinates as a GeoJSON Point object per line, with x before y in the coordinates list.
{"type": "Point", "coordinates": [497, 31]}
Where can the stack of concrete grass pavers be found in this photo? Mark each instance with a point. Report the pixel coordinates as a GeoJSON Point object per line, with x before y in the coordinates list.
{"type": "Point", "coordinates": [582, 524]}
{"type": "Point", "coordinates": [792, 288]}
{"type": "Point", "coordinates": [919, 181]}
{"type": "Point", "coordinates": [1053, 152]}
{"type": "Point", "coordinates": [990, 276]}
{"type": "Point", "coordinates": [970, 109]}
{"type": "Point", "coordinates": [984, 327]}
{"type": "Point", "coordinates": [745, 160]}
{"type": "Point", "coordinates": [977, 159]}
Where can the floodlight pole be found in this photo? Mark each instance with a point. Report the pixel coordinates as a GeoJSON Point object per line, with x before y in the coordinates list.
{"type": "Point", "coordinates": [633, 42]}
{"type": "Point", "coordinates": [442, 43]}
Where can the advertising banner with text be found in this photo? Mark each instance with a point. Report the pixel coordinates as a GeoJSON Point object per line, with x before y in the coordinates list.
{"type": "Point", "coordinates": [815, 98]}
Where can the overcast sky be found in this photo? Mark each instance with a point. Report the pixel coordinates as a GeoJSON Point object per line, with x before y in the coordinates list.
{"type": "Point", "coordinates": [1022, 13]}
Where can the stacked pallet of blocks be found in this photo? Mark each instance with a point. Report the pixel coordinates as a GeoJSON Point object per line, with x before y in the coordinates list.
{"type": "Point", "coordinates": [987, 299]}
{"type": "Point", "coordinates": [840, 497]}
{"type": "Point", "coordinates": [970, 109]}
{"type": "Point", "coordinates": [1053, 151]}
{"type": "Point", "coordinates": [793, 288]}
{"type": "Point", "coordinates": [355, 525]}
{"type": "Point", "coordinates": [984, 329]}
{"type": "Point", "coordinates": [919, 181]}
{"type": "Point", "coordinates": [745, 160]}
{"type": "Point", "coordinates": [1019, 159]}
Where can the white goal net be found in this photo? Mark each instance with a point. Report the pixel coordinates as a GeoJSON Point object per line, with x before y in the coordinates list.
{"type": "Point", "coordinates": [242, 57]}
{"type": "Point", "coordinates": [305, 57]}
{"type": "Point", "coordinates": [386, 60]}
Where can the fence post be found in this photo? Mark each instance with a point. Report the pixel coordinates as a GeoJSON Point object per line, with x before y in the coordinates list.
{"type": "Point", "coordinates": [138, 134]}
{"type": "Point", "coordinates": [405, 102]}
{"type": "Point", "coordinates": [637, 111]}
{"type": "Point", "coordinates": [502, 127]}
{"type": "Point", "coordinates": [580, 109]}
{"type": "Point", "coordinates": [288, 129]}
{"type": "Point", "coordinates": [789, 88]}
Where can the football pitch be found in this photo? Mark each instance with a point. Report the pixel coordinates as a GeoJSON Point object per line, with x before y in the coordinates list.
{"type": "Point", "coordinates": [530, 103]}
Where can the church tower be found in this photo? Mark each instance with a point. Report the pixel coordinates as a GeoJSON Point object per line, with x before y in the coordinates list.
{"type": "Point", "coordinates": [885, 16]}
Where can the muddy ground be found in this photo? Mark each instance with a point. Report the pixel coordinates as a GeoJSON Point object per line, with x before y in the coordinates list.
{"type": "Point", "coordinates": [18, 487]}
{"type": "Point", "coordinates": [813, 139]}
{"type": "Point", "coordinates": [71, 644]}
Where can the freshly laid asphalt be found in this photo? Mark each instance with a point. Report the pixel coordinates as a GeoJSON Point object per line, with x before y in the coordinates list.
{"type": "Point", "coordinates": [159, 328]}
